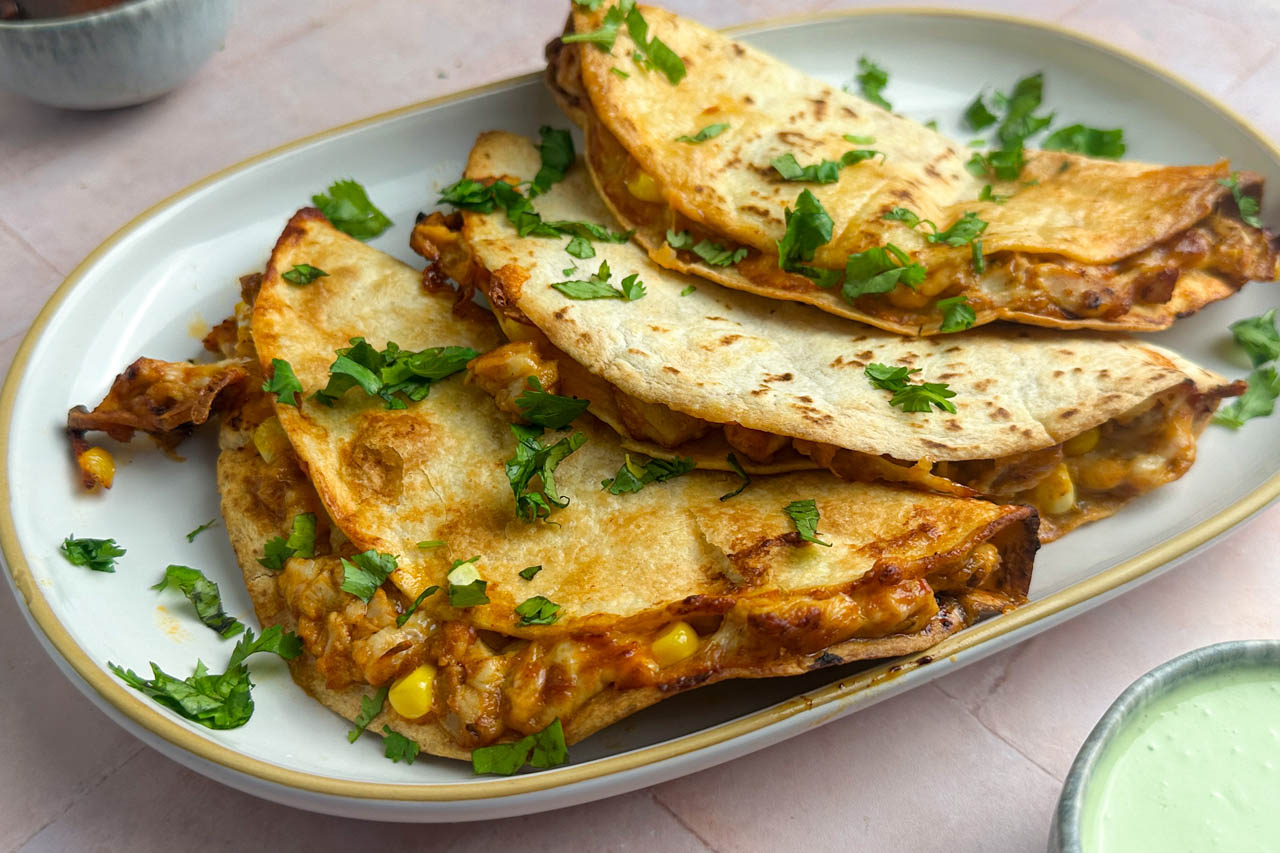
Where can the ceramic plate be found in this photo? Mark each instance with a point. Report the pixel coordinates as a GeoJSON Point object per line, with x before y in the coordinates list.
{"type": "Point", "coordinates": [155, 286]}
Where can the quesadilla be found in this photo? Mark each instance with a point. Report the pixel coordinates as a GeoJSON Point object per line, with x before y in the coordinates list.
{"type": "Point", "coordinates": [753, 175]}
{"type": "Point", "coordinates": [424, 484]}
{"type": "Point", "coordinates": [1075, 424]}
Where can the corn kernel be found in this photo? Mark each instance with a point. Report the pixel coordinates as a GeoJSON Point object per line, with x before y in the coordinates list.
{"type": "Point", "coordinates": [1081, 444]}
{"type": "Point", "coordinates": [677, 642]}
{"type": "Point", "coordinates": [270, 439]}
{"type": "Point", "coordinates": [412, 695]}
{"type": "Point", "coordinates": [1056, 494]}
{"type": "Point", "coordinates": [644, 187]}
{"type": "Point", "coordinates": [98, 464]}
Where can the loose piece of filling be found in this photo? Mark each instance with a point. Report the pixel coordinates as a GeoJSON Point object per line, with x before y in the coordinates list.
{"type": "Point", "coordinates": [1049, 286]}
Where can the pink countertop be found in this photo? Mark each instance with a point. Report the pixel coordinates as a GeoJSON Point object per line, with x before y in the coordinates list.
{"type": "Point", "coordinates": [973, 761]}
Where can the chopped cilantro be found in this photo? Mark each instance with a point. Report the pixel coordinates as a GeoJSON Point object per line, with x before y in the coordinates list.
{"type": "Point", "coordinates": [688, 290]}
{"type": "Point", "coordinates": [302, 274]}
{"type": "Point", "coordinates": [598, 286]}
{"type": "Point", "coordinates": [957, 313]}
{"type": "Point", "coordinates": [428, 544]}
{"type": "Point", "coordinates": [879, 270]}
{"type": "Point", "coordinates": [737, 469]}
{"type": "Point", "coordinates": [711, 131]}
{"type": "Point", "coordinates": [422, 596]}
{"type": "Point", "coordinates": [543, 408]}
{"type": "Point", "coordinates": [538, 610]}
{"type": "Point", "coordinates": [398, 748]}
{"type": "Point", "coordinates": [859, 140]}
{"type": "Point", "coordinates": [717, 255]}
{"type": "Point", "coordinates": [541, 749]}
{"type": "Point", "coordinates": [348, 207]}
{"type": "Point", "coordinates": [466, 587]}
{"type": "Point", "coordinates": [979, 260]}
{"type": "Point", "coordinates": [1258, 400]}
{"type": "Point", "coordinates": [618, 72]}
{"type": "Point", "coordinates": [1090, 141]}
{"type": "Point", "coordinates": [679, 239]}
{"type": "Point", "coordinates": [370, 707]}
{"type": "Point", "coordinates": [215, 701]}
{"type": "Point", "coordinates": [191, 537]}
{"type": "Point", "coordinates": [96, 554]}
{"type": "Point", "coordinates": [301, 543]}
{"type": "Point", "coordinates": [988, 195]}
{"type": "Point", "coordinates": [871, 81]}
{"type": "Point", "coordinates": [805, 515]}
{"type": "Point", "coordinates": [808, 228]}
{"type": "Point", "coordinates": [824, 172]}
{"type": "Point", "coordinates": [1258, 337]}
{"type": "Point", "coordinates": [472, 195]}
{"type": "Point", "coordinates": [365, 572]}
{"type": "Point", "coordinates": [964, 230]}
{"type": "Point", "coordinates": [580, 248]}
{"type": "Point", "coordinates": [604, 37]}
{"type": "Point", "coordinates": [528, 572]}
{"type": "Point", "coordinates": [632, 477]}
{"type": "Point", "coordinates": [204, 597]}
{"type": "Point", "coordinates": [910, 398]}
{"type": "Point", "coordinates": [468, 194]}
{"type": "Point", "coordinates": [391, 372]}
{"type": "Point", "coordinates": [556, 150]}
{"type": "Point", "coordinates": [283, 383]}
{"type": "Point", "coordinates": [977, 116]}
{"type": "Point", "coordinates": [533, 460]}
{"type": "Point", "coordinates": [651, 53]}
{"type": "Point", "coordinates": [1246, 204]}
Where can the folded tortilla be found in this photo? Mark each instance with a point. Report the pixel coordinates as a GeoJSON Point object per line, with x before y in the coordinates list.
{"type": "Point", "coordinates": [1075, 424]}
{"type": "Point", "coordinates": [903, 571]}
{"type": "Point", "coordinates": [1079, 243]}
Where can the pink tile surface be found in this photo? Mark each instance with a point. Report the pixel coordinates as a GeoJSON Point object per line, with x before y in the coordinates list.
{"type": "Point", "coordinates": [972, 762]}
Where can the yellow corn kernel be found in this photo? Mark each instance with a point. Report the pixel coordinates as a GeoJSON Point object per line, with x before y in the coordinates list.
{"type": "Point", "coordinates": [412, 695]}
{"type": "Point", "coordinates": [644, 187]}
{"type": "Point", "coordinates": [1081, 444]}
{"type": "Point", "coordinates": [270, 439]}
{"type": "Point", "coordinates": [676, 642]}
{"type": "Point", "coordinates": [1055, 494]}
{"type": "Point", "coordinates": [98, 464]}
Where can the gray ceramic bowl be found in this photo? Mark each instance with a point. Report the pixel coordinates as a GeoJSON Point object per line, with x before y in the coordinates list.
{"type": "Point", "coordinates": [117, 57]}
{"type": "Point", "coordinates": [1065, 834]}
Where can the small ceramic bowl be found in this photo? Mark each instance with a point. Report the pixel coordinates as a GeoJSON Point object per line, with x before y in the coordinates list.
{"type": "Point", "coordinates": [116, 57]}
{"type": "Point", "coordinates": [1065, 836]}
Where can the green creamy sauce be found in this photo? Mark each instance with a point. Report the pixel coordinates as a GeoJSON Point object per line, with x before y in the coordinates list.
{"type": "Point", "coordinates": [1197, 769]}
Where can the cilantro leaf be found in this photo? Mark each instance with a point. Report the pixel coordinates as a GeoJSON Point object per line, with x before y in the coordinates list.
{"type": "Point", "coordinates": [301, 542]}
{"type": "Point", "coordinates": [538, 610]}
{"type": "Point", "coordinates": [679, 240]}
{"type": "Point", "coordinates": [604, 37]}
{"type": "Point", "coordinates": [651, 53]}
{"type": "Point", "coordinates": [632, 287]}
{"type": "Point", "coordinates": [274, 554]}
{"type": "Point", "coordinates": [348, 207]}
{"type": "Point", "coordinates": [910, 398]}
{"type": "Point", "coordinates": [302, 274]}
{"type": "Point", "coordinates": [977, 258]}
{"type": "Point", "coordinates": [204, 596]}
{"type": "Point", "coordinates": [422, 596]}
{"type": "Point", "coordinates": [533, 460]}
{"type": "Point", "coordinates": [428, 544]}
{"type": "Point", "coordinates": [879, 270]}
{"type": "Point", "coordinates": [957, 313]}
{"type": "Point", "coordinates": [717, 255]}
{"type": "Point", "coordinates": [964, 230]}
{"type": "Point", "coordinates": [1005, 164]}
{"type": "Point", "coordinates": [283, 383]}
{"type": "Point", "coordinates": [737, 469]}
{"type": "Point", "coordinates": [541, 749]}
{"type": "Point", "coordinates": [598, 286]}
{"type": "Point", "coordinates": [1091, 141]}
{"type": "Point", "coordinates": [1246, 204]}
{"type": "Point", "coordinates": [1020, 120]}
{"type": "Point", "coordinates": [213, 522]}
{"type": "Point", "coordinates": [556, 150]}
{"type": "Point", "coordinates": [1258, 337]}
{"type": "Point", "coordinates": [528, 572]}
{"type": "Point", "coordinates": [370, 707]}
{"type": "Point", "coordinates": [581, 248]}
{"type": "Point", "coordinates": [215, 701]}
{"type": "Point", "coordinates": [871, 80]}
{"type": "Point", "coordinates": [711, 131]}
{"type": "Point", "coordinates": [632, 477]}
{"type": "Point", "coordinates": [977, 116]}
{"type": "Point", "coordinates": [391, 372]}
{"type": "Point", "coordinates": [1258, 400]}
{"type": "Point", "coordinates": [690, 289]}
{"type": "Point", "coordinates": [365, 572]}
{"type": "Point", "coordinates": [808, 228]}
{"type": "Point", "coordinates": [618, 72]}
{"type": "Point", "coordinates": [466, 587]}
{"type": "Point", "coordinates": [909, 217]}
{"type": "Point", "coordinates": [824, 172]}
{"type": "Point", "coordinates": [805, 515]}
{"type": "Point", "coordinates": [988, 195]}
{"type": "Point", "coordinates": [398, 748]}
{"type": "Point", "coordinates": [468, 194]}
{"type": "Point", "coordinates": [543, 408]}
{"type": "Point", "coordinates": [96, 554]}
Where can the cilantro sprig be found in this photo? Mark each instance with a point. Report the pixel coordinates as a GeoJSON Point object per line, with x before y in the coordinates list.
{"type": "Point", "coordinates": [879, 270]}
{"type": "Point", "coordinates": [541, 749]}
{"type": "Point", "coordinates": [215, 701]}
{"type": "Point", "coordinates": [370, 707]}
{"type": "Point", "coordinates": [957, 314]}
{"type": "Point", "coordinates": [872, 80]}
{"type": "Point", "coordinates": [283, 383]}
{"type": "Point", "coordinates": [632, 477]}
{"type": "Point", "coordinates": [597, 286]}
{"type": "Point", "coordinates": [804, 514]}
{"type": "Point", "coordinates": [469, 194]}
{"type": "Point", "coordinates": [301, 543]}
{"type": "Point", "coordinates": [397, 747]}
{"type": "Point", "coordinates": [1246, 204]}
{"type": "Point", "coordinates": [809, 227]}
{"type": "Point", "coordinates": [908, 397]}
{"type": "Point", "coordinates": [535, 461]}
{"type": "Point", "coordinates": [204, 597]}
{"type": "Point", "coordinates": [365, 572]}
{"type": "Point", "coordinates": [1090, 141]}
{"type": "Point", "coordinates": [1258, 337]}
{"type": "Point", "coordinates": [711, 253]}
{"type": "Point", "coordinates": [391, 372]}
{"type": "Point", "coordinates": [541, 407]}
{"type": "Point", "coordinates": [208, 525]}
{"type": "Point", "coordinates": [1258, 400]}
{"type": "Point", "coordinates": [348, 207]}
{"type": "Point", "coordinates": [538, 610]}
{"type": "Point", "coordinates": [96, 554]}
{"type": "Point", "coordinates": [556, 151]}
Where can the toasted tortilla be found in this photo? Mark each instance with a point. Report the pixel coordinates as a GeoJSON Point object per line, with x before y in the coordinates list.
{"type": "Point", "coordinates": [620, 567]}
{"type": "Point", "coordinates": [783, 369]}
{"type": "Point", "coordinates": [1079, 243]}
